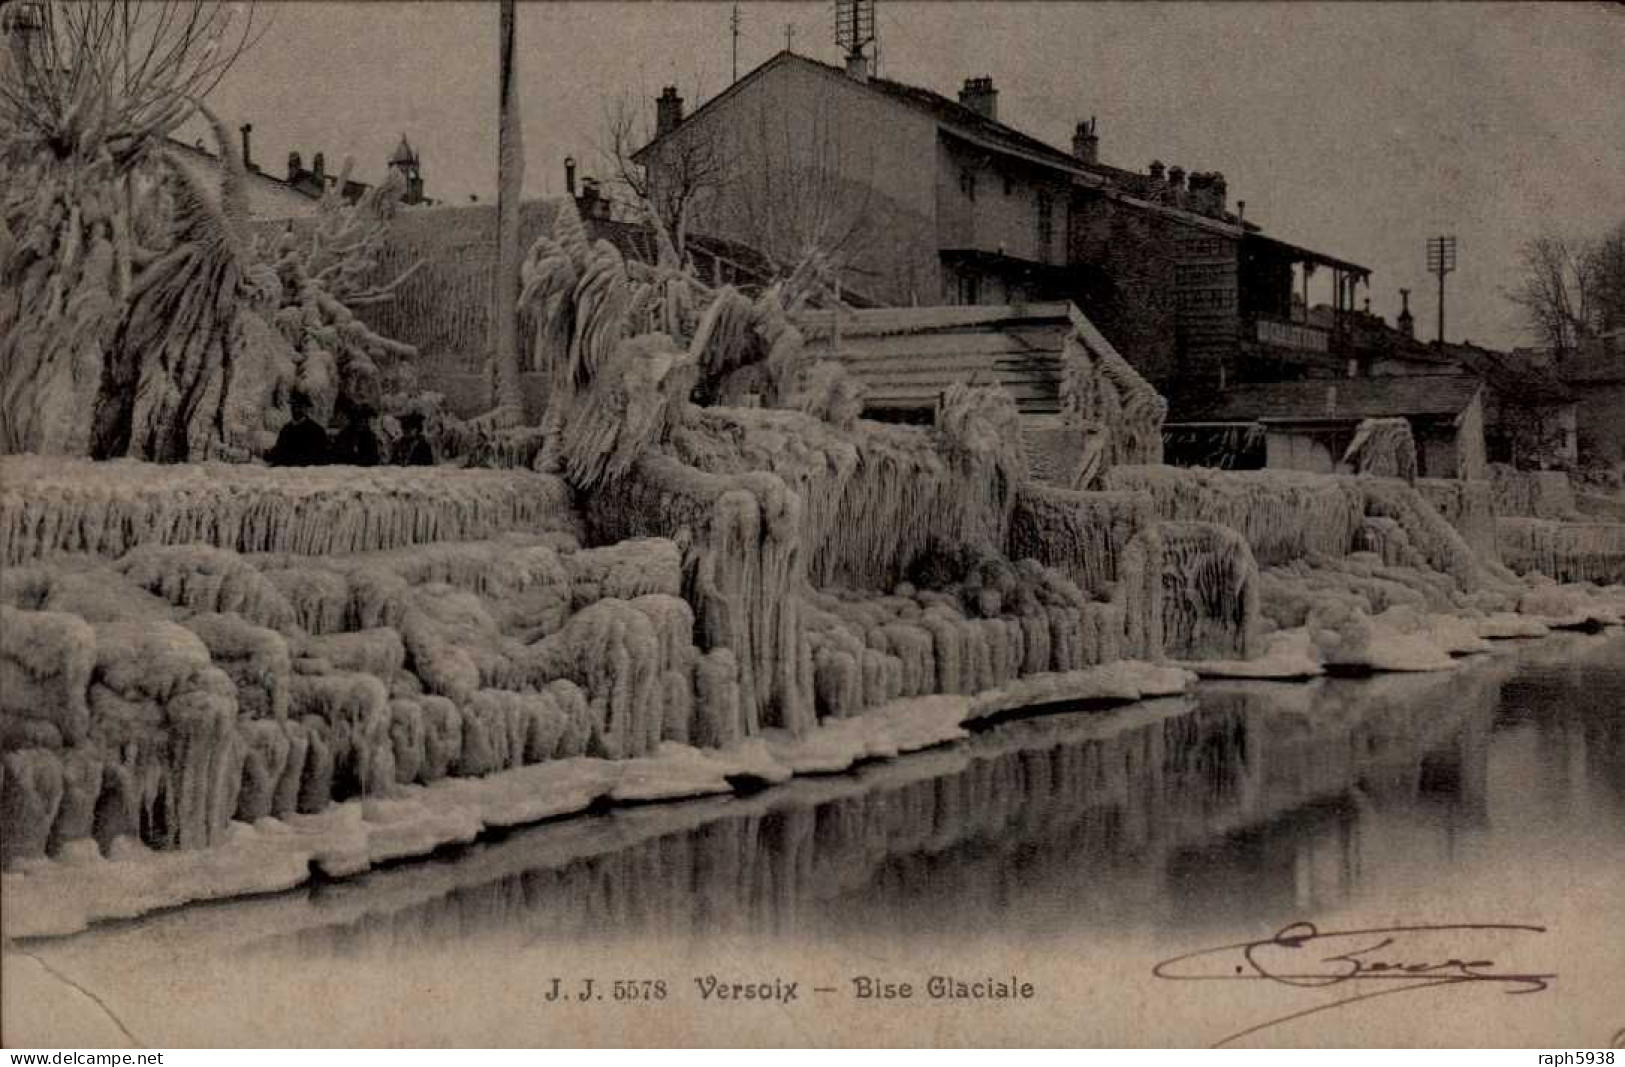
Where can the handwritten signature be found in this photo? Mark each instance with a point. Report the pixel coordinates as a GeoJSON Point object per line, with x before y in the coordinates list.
{"type": "Point", "coordinates": [1380, 962]}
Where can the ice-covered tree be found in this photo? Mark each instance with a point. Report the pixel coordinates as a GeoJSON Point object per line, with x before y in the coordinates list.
{"type": "Point", "coordinates": [120, 278]}
{"type": "Point", "coordinates": [629, 346]}
{"type": "Point", "coordinates": [326, 272]}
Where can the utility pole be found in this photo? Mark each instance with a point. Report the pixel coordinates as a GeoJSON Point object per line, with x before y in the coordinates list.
{"type": "Point", "coordinates": [1441, 261]}
{"type": "Point", "coordinates": [854, 29]}
{"type": "Point", "coordinates": [733, 23]}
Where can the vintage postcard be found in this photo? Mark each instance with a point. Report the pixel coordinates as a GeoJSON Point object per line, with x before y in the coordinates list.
{"type": "Point", "coordinates": [812, 524]}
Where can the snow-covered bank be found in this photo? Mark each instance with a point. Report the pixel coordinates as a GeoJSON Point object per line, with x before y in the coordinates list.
{"type": "Point", "coordinates": [66, 894]}
{"type": "Point", "coordinates": [1405, 639]}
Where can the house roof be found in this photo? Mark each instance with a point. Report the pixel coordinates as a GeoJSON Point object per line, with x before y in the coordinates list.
{"type": "Point", "coordinates": [974, 127]}
{"type": "Point", "coordinates": [1300, 254]}
{"type": "Point", "coordinates": [201, 154]}
{"type": "Point", "coordinates": [907, 357]}
{"type": "Point", "coordinates": [1331, 400]}
{"type": "Point", "coordinates": [1511, 376]}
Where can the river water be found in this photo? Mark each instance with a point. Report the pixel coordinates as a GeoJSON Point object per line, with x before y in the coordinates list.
{"type": "Point", "coordinates": [1071, 854]}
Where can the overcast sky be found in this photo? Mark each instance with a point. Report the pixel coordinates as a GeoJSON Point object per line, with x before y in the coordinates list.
{"type": "Point", "coordinates": [1358, 129]}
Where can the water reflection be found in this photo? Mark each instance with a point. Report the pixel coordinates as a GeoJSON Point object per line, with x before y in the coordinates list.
{"type": "Point", "coordinates": [1252, 800]}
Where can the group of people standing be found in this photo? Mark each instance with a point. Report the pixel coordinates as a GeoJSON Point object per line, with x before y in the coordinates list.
{"type": "Point", "coordinates": [305, 442]}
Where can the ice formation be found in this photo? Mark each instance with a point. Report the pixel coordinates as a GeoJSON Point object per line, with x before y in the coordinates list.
{"type": "Point", "coordinates": [53, 505]}
{"type": "Point", "coordinates": [1567, 551]}
{"type": "Point", "coordinates": [730, 579]}
{"type": "Point", "coordinates": [325, 270]}
{"type": "Point", "coordinates": [1383, 448]}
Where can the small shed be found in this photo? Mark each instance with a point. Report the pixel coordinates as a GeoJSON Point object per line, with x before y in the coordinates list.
{"type": "Point", "coordinates": [1308, 425]}
{"type": "Point", "coordinates": [907, 358]}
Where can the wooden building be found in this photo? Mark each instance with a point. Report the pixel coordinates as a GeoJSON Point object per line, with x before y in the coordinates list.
{"type": "Point", "coordinates": [1308, 425]}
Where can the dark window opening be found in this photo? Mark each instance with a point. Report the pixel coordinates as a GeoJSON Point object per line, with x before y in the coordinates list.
{"type": "Point", "coordinates": [906, 416]}
{"type": "Point", "coordinates": [1046, 226]}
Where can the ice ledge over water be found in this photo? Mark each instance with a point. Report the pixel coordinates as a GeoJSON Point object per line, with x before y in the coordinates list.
{"type": "Point", "coordinates": [65, 895]}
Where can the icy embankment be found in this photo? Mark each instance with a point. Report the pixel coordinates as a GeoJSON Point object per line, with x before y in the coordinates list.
{"type": "Point", "coordinates": [1404, 638]}
{"type": "Point", "coordinates": [64, 895]}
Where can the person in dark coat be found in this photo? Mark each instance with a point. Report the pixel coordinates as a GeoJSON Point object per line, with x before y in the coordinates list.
{"type": "Point", "coordinates": [302, 442]}
{"type": "Point", "coordinates": [356, 444]}
{"type": "Point", "coordinates": [412, 448]}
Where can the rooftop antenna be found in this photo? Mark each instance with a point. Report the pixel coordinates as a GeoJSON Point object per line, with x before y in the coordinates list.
{"type": "Point", "coordinates": [1441, 261]}
{"type": "Point", "coordinates": [733, 24]}
{"type": "Point", "coordinates": [854, 28]}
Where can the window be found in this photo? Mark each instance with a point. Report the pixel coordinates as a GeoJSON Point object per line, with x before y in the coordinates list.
{"type": "Point", "coordinates": [967, 182]}
{"type": "Point", "coordinates": [1046, 225]}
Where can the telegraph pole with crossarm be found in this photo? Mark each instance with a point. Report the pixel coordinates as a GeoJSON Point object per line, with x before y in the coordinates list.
{"type": "Point", "coordinates": [1441, 261]}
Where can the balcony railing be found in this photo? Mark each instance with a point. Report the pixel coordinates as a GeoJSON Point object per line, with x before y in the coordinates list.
{"type": "Point", "coordinates": [1295, 335]}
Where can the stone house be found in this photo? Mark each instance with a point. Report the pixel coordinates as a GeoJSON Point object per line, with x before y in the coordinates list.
{"type": "Point", "coordinates": [958, 207]}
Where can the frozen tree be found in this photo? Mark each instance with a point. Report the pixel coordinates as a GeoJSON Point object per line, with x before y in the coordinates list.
{"type": "Point", "coordinates": [122, 278]}
{"type": "Point", "coordinates": [324, 274]}
{"type": "Point", "coordinates": [1571, 290]}
{"type": "Point", "coordinates": [692, 172]}
{"type": "Point", "coordinates": [630, 346]}
{"type": "Point", "coordinates": [128, 72]}
{"type": "Point", "coordinates": [789, 183]}
{"type": "Point", "coordinates": [175, 358]}
{"type": "Point", "coordinates": [799, 191]}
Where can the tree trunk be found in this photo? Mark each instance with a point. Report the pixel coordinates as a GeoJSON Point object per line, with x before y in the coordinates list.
{"type": "Point", "coordinates": [510, 186]}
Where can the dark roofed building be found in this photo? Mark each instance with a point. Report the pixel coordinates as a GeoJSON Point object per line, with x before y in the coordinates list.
{"type": "Point", "coordinates": [269, 197]}
{"type": "Point", "coordinates": [1530, 415]}
{"type": "Point", "coordinates": [1308, 425]}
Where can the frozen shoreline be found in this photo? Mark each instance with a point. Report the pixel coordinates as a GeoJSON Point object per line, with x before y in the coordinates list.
{"type": "Point", "coordinates": [65, 895]}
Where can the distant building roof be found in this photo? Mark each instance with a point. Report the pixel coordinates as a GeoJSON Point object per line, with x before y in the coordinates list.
{"type": "Point", "coordinates": [907, 357]}
{"type": "Point", "coordinates": [1510, 375]}
{"type": "Point", "coordinates": [289, 198]}
{"type": "Point", "coordinates": [1331, 400]}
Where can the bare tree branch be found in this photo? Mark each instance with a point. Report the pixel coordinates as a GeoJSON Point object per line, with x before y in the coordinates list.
{"type": "Point", "coordinates": [690, 168]}
{"type": "Point", "coordinates": [122, 73]}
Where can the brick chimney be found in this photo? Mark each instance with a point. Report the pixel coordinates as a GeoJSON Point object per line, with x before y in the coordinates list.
{"type": "Point", "coordinates": [980, 96]}
{"type": "Point", "coordinates": [1086, 142]}
{"type": "Point", "coordinates": [318, 169]}
{"type": "Point", "coordinates": [570, 175]}
{"type": "Point", "coordinates": [247, 130]}
{"type": "Point", "coordinates": [668, 111]}
{"type": "Point", "coordinates": [1155, 170]}
{"type": "Point", "coordinates": [296, 163]}
{"type": "Point", "coordinates": [1406, 322]}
